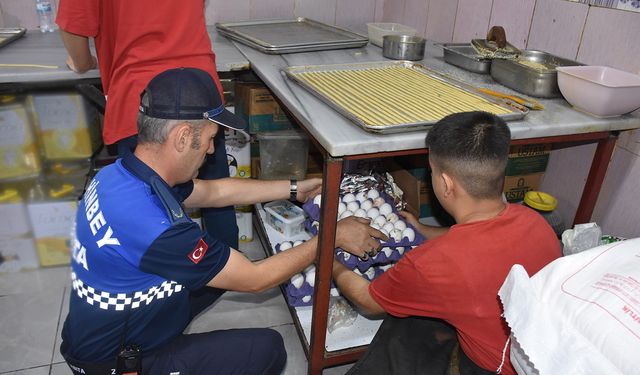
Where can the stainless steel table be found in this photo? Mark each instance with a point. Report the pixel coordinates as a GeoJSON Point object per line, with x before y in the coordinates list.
{"type": "Point", "coordinates": [340, 140]}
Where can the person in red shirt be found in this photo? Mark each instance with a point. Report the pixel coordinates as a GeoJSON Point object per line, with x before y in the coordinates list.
{"type": "Point", "coordinates": [443, 294]}
{"type": "Point", "coordinates": [135, 41]}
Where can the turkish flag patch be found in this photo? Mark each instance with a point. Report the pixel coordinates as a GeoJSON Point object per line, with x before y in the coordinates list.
{"type": "Point", "coordinates": [198, 253]}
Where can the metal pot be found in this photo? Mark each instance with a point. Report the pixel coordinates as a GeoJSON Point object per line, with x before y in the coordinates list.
{"type": "Point", "coordinates": [403, 47]}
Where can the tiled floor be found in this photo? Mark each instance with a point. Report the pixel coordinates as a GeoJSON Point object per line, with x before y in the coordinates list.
{"type": "Point", "coordinates": [33, 306]}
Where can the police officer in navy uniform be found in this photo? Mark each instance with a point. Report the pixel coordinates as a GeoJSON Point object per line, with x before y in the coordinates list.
{"type": "Point", "coordinates": [142, 270]}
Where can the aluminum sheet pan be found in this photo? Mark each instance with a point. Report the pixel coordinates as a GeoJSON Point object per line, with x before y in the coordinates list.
{"type": "Point", "coordinates": [371, 103]}
{"type": "Point", "coordinates": [463, 55]}
{"type": "Point", "coordinates": [8, 35]}
{"type": "Point", "coordinates": [289, 36]}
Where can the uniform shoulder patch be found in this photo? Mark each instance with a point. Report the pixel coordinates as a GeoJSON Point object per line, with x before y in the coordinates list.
{"type": "Point", "coordinates": [198, 253]}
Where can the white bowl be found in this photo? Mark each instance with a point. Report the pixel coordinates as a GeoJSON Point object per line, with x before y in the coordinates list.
{"type": "Point", "coordinates": [600, 90]}
{"type": "Point", "coordinates": [377, 30]}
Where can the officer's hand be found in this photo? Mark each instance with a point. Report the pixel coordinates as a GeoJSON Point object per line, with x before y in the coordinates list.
{"type": "Point", "coordinates": [354, 235]}
{"type": "Point", "coordinates": [309, 188]}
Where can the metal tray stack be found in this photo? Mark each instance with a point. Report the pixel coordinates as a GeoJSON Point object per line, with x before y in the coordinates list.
{"type": "Point", "coordinates": [8, 35]}
{"type": "Point", "coordinates": [290, 36]}
{"type": "Point", "coordinates": [388, 97]}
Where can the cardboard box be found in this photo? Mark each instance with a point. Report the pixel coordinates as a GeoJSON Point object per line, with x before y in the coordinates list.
{"type": "Point", "coordinates": [19, 154]}
{"type": "Point", "coordinates": [52, 223]}
{"type": "Point", "coordinates": [516, 186]}
{"type": "Point", "coordinates": [68, 126]}
{"type": "Point", "coordinates": [238, 154]}
{"type": "Point", "coordinates": [244, 218]}
{"type": "Point", "coordinates": [528, 159]}
{"type": "Point", "coordinates": [254, 103]}
{"type": "Point", "coordinates": [17, 254]}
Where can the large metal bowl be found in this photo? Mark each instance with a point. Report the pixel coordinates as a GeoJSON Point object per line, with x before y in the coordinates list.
{"type": "Point", "coordinates": [403, 47]}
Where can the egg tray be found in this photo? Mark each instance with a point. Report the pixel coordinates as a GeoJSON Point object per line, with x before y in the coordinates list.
{"type": "Point", "coordinates": [353, 262]}
{"type": "Point", "coordinates": [313, 213]}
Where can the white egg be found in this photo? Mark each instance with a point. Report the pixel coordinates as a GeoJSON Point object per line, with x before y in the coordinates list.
{"type": "Point", "coordinates": [353, 206]}
{"type": "Point", "coordinates": [385, 209]}
{"type": "Point", "coordinates": [346, 256]}
{"type": "Point", "coordinates": [373, 213]}
{"type": "Point", "coordinates": [388, 227]}
{"type": "Point", "coordinates": [386, 267]}
{"type": "Point", "coordinates": [380, 220]}
{"type": "Point", "coordinates": [392, 217]}
{"type": "Point", "coordinates": [297, 280]}
{"type": "Point", "coordinates": [298, 242]}
{"type": "Point", "coordinates": [361, 196]}
{"type": "Point", "coordinates": [349, 197]}
{"type": "Point", "coordinates": [375, 226]}
{"type": "Point", "coordinates": [310, 268]}
{"type": "Point", "coordinates": [386, 233]}
{"type": "Point", "coordinates": [317, 200]}
{"type": "Point", "coordinates": [377, 202]}
{"type": "Point", "coordinates": [357, 271]}
{"type": "Point", "coordinates": [395, 234]}
{"type": "Point", "coordinates": [316, 224]}
{"type": "Point", "coordinates": [387, 251]}
{"type": "Point", "coordinates": [334, 292]}
{"type": "Point", "coordinates": [347, 213]}
{"type": "Point", "coordinates": [401, 225]}
{"type": "Point", "coordinates": [360, 213]}
{"type": "Point", "coordinates": [285, 245]}
{"type": "Point", "coordinates": [366, 205]}
{"type": "Point", "coordinates": [341, 208]}
{"type": "Point", "coordinates": [370, 273]}
{"type": "Point", "coordinates": [310, 278]}
{"type": "Point", "coordinates": [373, 193]}
{"type": "Point", "coordinates": [409, 234]}
{"type": "Point", "coordinates": [400, 250]}
{"type": "Point", "coordinates": [306, 299]}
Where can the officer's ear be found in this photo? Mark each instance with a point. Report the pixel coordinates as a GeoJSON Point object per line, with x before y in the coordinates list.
{"type": "Point", "coordinates": [182, 136]}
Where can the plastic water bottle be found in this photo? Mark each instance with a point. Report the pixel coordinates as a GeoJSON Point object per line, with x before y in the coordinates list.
{"type": "Point", "coordinates": [45, 14]}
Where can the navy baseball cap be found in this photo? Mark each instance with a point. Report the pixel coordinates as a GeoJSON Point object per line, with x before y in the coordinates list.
{"type": "Point", "coordinates": [188, 94]}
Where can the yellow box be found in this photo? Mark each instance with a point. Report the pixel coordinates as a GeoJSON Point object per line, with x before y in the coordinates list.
{"type": "Point", "coordinates": [68, 126]}
{"type": "Point", "coordinates": [19, 156]}
{"type": "Point", "coordinates": [244, 215]}
{"type": "Point", "coordinates": [52, 223]}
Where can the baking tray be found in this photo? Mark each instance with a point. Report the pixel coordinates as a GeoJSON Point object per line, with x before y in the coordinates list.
{"type": "Point", "coordinates": [395, 96]}
{"type": "Point", "coordinates": [532, 73]}
{"type": "Point", "coordinates": [464, 56]}
{"type": "Point", "coordinates": [290, 36]}
{"type": "Point", "coordinates": [8, 35]}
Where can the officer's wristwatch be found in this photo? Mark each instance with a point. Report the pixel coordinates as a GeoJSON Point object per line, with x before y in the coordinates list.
{"type": "Point", "coordinates": [293, 190]}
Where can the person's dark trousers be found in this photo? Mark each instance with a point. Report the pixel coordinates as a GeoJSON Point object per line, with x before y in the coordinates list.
{"type": "Point", "coordinates": [220, 222]}
{"type": "Point", "coordinates": [412, 346]}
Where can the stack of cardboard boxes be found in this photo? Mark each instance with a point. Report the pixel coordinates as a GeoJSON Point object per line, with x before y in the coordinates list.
{"type": "Point", "coordinates": [525, 170]}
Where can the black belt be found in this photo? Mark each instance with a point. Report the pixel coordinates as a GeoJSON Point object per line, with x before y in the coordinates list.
{"type": "Point", "coordinates": [88, 368]}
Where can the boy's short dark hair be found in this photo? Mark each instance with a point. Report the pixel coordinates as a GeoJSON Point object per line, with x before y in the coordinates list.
{"type": "Point", "coordinates": [474, 148]}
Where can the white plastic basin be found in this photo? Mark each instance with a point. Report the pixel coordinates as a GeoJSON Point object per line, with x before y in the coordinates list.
{"type": "Point", "coordinates": [600, 90]}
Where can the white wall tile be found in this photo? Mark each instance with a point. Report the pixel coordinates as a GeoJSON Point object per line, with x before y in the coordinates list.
{"type": "Point", "coordinates": [322, 11]}
{"type": "Point", "coordinates": [271, 9]}
{"type": "Point", "coordinates": [611, 37]}
{"type": "Point", "coordinates": [20, 13]}
{"type": "Point", "coordinates": [227, 11]}
{"type": "Point", "coordinates": [354, 14]}
{"type": "Point", "coordinates": [393, 11]}
{"type": "Point", "coordinates": [618, 209]}
{"type": "Point", "coordinates": [441, 20]}
{"type": "Point", "coordinates": [557, 27]}
{"type": "Point", "coordinates": [472, 20]}
{"type": "Point", "coordinates": [415, 15]}
{"type": "Point", "coordinates": [515, 16]}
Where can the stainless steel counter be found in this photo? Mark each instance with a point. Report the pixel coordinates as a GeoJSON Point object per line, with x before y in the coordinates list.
{"type": "Point", "coordinates": [340, 137]}
{"type": "Point", "coordinates": [47, 50]}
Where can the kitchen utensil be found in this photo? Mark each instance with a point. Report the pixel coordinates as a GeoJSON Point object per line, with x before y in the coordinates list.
{"type": "Point", "coordinates": [403, 47]}
{"type": "Point", "coordinates": [376, 30]}
{"type": "Point", "coordinates": [463, 55]}
{"type": "Point", "coordinates": [532, 73]}
{"type": "Point", "coordinates": [529, 103]}
{"type": "Point", "coordinates": [600, 90]}
{"type": "Point", "coordinates": [290, 36]}
{"type": "Point", "coordinates": [495, 46]}
{"type": "Point", "coordinates": [395, 96]}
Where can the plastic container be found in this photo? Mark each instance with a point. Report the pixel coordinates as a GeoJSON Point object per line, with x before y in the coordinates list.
{"type": "Point", "coordinates": [283, 154]}
{"type": "Point", "coordinates": [44, 9]}
{"type": "Point", "coordinates": [600, 90]}
{"type": "Point", "coordinates": [545, 204]}
{"type": "Point", "coordinates": [377, 30]}
{"type": "Point", "coordinates": [285, 217]}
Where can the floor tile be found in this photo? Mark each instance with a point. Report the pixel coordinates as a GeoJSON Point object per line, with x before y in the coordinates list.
{"type": "Point", "coordinates": [42, 370]}
{"type": "Point", "coordinates": [243, 310]}
{"type": "Point", "coordinates": [60, 369]}
{"type": "Point", "coordinates": [34, 281]}
{"type": "Point", "coordinates": [57, 357]}
{"type": "Point", "coordinates": [27, 328]}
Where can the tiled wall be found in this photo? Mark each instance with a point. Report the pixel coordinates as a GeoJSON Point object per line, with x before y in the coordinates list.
{"type": "Point", "coordinates": [589, 34]}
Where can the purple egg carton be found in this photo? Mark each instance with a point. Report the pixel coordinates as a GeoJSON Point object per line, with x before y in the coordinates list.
{"type": "Point", "coordinates": [298, 302]}
{"type": "Point", "coordinates": [304, 290]}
